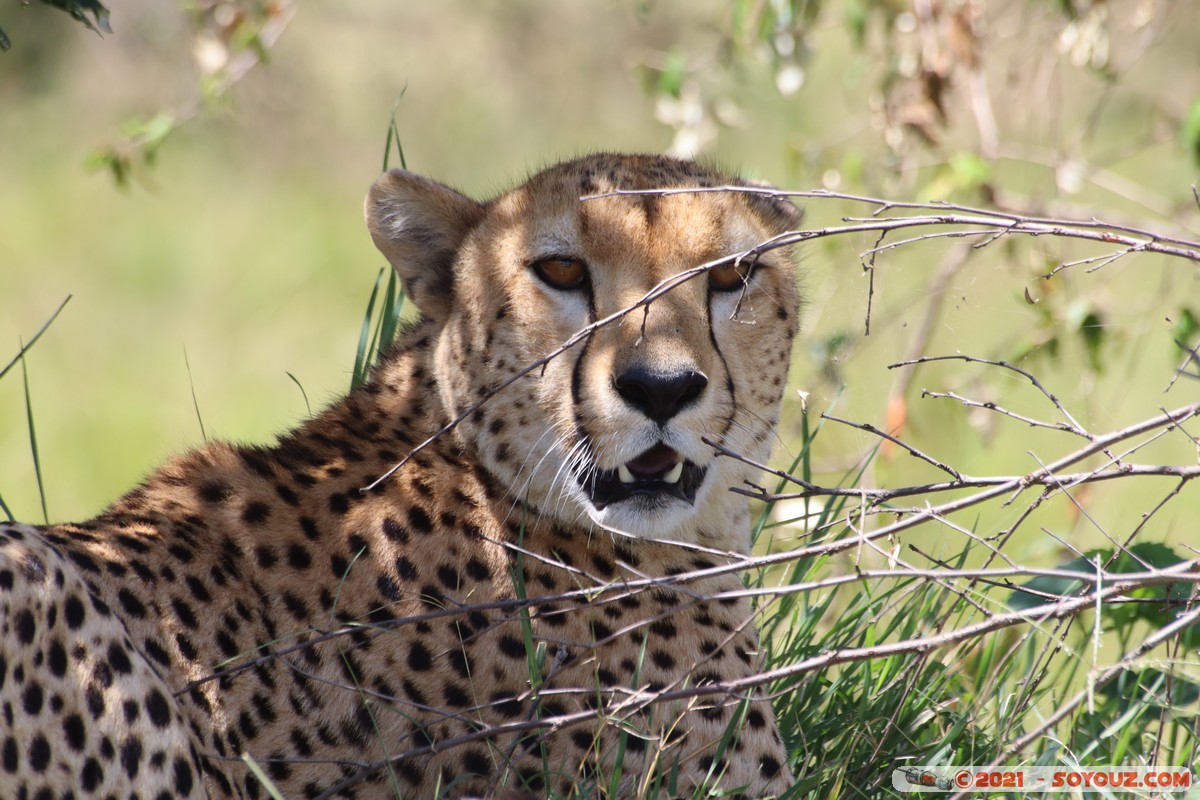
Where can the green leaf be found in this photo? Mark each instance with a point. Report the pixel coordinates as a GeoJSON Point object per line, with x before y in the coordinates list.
{"type": "Point", "coordinates": [1172, 597]}
{"type": "Point", "coordinates": [1151, 687]}
{"type": "Point", "coordinates": [670, 80]}
{"type": "Point", "coordinates": [1091, 329]}
{"type": "Point", "coordinates": [154, 131]}
{"type": "Point", "coordinates": [856, 22]}
{"type": "Point", "coordinates": [1045, 589]}
{"type": "Point", "coordinates": [1157, 605]}
{"type": "Point", "coordinates": [1143, 555]}
{"type": "Point", "coordinates": [1186, 328]}
{"type": "Point", "coordinates": [79, 9]}
{"type": "Point", "coordinates": [740, 20]}
{"type": "Point", "coordinates": [1191, 131]}
{"type": "Point", "coordinates": [970, 171]}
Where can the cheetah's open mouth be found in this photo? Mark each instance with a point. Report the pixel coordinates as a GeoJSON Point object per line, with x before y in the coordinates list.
{"type": "Point", "coordinates": [660, 471]}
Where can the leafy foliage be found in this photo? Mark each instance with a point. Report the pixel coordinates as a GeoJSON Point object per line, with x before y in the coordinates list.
{"type": "Point", "coordinates": [79, 11]}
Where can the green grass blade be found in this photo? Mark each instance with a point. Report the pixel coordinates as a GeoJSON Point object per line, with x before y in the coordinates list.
{"type": "Point", "coordinates": [195, 402]}
{"type": "Point", "coordinates": [393, 134]}
{"type": "Point", "coordinates": [303, 393]}
{"type": "Point", "coordinates": [33, 445]}
{"type": "Point", "coordinates": [378, 332]}
{"type": "Point", "coordinates": [25, 348]}
{"type": "Point", "coordinates": [262, 777]}
{"type": "Point", "coordinates": [389, 320]}
{"type": "Point", "coordinates": [362, 358]}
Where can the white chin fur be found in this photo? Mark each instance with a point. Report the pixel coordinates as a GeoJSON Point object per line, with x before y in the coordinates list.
{"type": "Point", "coordinates": [633, 519]}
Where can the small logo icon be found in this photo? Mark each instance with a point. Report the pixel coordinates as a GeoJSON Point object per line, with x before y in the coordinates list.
{"type": "Point", "coordinates": [908, 777]}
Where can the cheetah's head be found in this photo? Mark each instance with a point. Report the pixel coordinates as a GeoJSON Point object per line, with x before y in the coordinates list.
{"type": "Point", "coordinates": [612, 426]}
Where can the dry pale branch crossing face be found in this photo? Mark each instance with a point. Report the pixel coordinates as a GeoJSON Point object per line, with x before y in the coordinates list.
{"type": "Point", "coordinates": [610, 430]}
{"type": "Point", "coordinates": [467, 622]}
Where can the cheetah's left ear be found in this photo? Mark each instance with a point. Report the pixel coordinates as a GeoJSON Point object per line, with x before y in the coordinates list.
{"type": "Point", "coordinates": [777, 210]}
{"type": "Point", "coordinates": [419, 224]}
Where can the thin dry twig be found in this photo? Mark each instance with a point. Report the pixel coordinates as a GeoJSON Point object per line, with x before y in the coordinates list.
{"type": "Point", "coordinates": [989, 220]}
{"type": "Point", "coordinates": [1091, 590]}
{"type": "Point", "coordinates": [869, 428]}
{"type": "Point", "coordinates": [1164, 634]}
{"type": "Point", "coordinates": [1073, 425]}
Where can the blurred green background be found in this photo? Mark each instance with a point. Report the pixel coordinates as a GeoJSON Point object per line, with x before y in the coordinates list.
{"type": "Point", "coordinates": [240, 257]}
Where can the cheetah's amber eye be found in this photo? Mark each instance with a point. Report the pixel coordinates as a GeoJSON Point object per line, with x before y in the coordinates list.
{"type": "Point", "coordinates": [729, 277]}
{"type": "Point", "coordinates": [561, 272]}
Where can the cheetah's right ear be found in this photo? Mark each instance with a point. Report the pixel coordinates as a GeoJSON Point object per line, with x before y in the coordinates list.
{"type": "Point", "coordinates": [419, 225]}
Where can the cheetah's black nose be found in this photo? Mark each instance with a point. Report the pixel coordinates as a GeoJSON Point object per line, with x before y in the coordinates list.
{"type": "Point", "coordinates": [660, 395]}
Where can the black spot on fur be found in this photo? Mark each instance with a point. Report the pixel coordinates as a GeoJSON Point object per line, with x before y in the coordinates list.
{"type": "Point", "coordinates": [299, 557]}
{"type": "Point", "coordinates": [265, 557]}
{"type": "Point", "coordinates": [157, 709]}
{"type": "Point", "coordinates": [393, 531]}
{"type": "Point", "coordinates": [309, 528]}
{"type": "Point", "coordinates": [131, 757]}
{"type": "Point", "coordinates": [338, 566]}
{"type": "Point", "coordinates": [157, 652]}
{"type": "Point", "coordinates": [214, 492]}
{"type": "Point", "coordinates": [25, 626]}
{"type": "Point", "coordinates": [477, 570]}
{"type": "Point", "coordinates": [74, 732]}
{"type": "Point", "coordinates": [56, 659]}
{"type": "Point", "coordinates": [73, 612]}
{"type": "Point", "coordinates": [455, 696]}
{"type": "Point", "coordinates": [406, 569]}
{"type": "Point", "coordinates": [388, 588]}
{"type": "Point", "coordinates": [118, 659]}
{"type": "Point", "coordinates": [8, 755]}
{"type": "Point", "coordinates": [185, 614]}
{"type": "Point", "coordinates": [198, 589]}
{"type": "Point", "coordinates": [512, 647]}
{"type": "Point", "coordinates": [663, 628]}
{"type": "Point", "coordinates": [476, 763]}
{"type": "Point", "coordinates": [338, 504]}
{"type": "Point", "coordinates": [32, 699]}
{"type": "Point", "coordinates": [287, 494]}
{"type": "Point", "coordinates": [419, 658]}
{"type": "Point", "coordinates": [420, 520]}
{"type": "Point", "coordinates": [256, 513]}
{"type": "Point", "coordinates": [39, 753]}
{"type": "Point", "coordinates": [448, 576]}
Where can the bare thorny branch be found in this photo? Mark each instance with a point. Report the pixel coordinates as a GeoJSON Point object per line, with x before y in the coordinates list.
{"type": "Point", "coordinates": [862, 520]}
{"type": "Point", "coordinates": [987, 223]}
{"type": "Point", "coordinates": [984, 223]}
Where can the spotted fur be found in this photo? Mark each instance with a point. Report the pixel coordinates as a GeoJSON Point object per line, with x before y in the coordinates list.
{"type": "Point", "coordinates": [473, 621]}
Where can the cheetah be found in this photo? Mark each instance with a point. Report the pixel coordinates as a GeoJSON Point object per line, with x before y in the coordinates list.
{"type": "Point", "coordinates": [504, 563]}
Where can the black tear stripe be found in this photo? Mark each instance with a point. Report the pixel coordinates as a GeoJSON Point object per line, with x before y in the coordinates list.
{"type": "Point", "coordinates": [577, 370]}
{"type": "Point", "coordinates": [729, 387]}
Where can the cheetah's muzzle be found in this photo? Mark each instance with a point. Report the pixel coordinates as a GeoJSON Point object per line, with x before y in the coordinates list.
{"type": "Point", "coordinates": [658, 472]}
